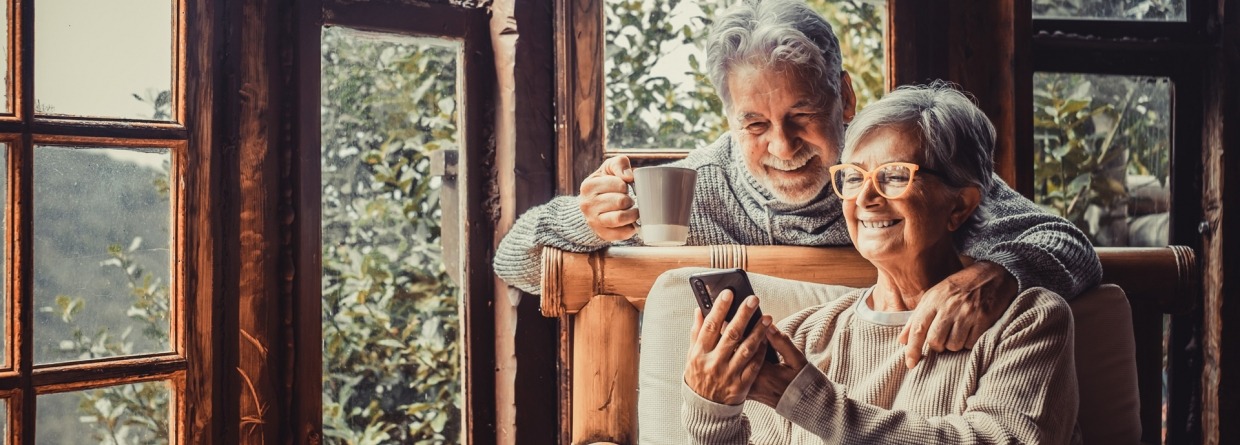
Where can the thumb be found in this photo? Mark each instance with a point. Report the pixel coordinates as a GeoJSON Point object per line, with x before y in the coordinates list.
{"type": "Point", "coordinates": [785, 347]}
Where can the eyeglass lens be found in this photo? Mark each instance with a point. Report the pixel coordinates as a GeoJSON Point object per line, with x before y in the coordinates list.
{"type": "Point", "coordinates": [890, 179]}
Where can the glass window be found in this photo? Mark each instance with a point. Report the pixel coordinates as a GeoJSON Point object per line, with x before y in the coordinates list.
{"type": "Point", "coordinates": [137, 413]}
{"type": "Point", "coordinates": [391, 315]}
{"type": "Point", "coordinates": [1102, 154]}
{"type": "Point", "coordinates": [657, 91]}
{"type": "Point", "coordinates": [101, 252]}
{"type": "Point", "coordinates": [104, 58]}
{"type": "Point", "coordinates": [1147, 10]}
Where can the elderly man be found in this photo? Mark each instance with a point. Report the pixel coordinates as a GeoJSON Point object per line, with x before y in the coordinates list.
{"type": "Point", "coordinates": [776, 66]}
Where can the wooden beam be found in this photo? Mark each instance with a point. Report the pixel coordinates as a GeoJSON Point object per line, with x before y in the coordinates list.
{"type": "Point", "coordinates": [579, 91]}
{"type": "Point", "coordinates": [1220, 229]}
{"type": "Point", "coordinates": [258, 344]}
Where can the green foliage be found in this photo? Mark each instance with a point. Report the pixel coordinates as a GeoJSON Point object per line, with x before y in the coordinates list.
{"type": "Point", "coordinates": [1111, 9]}
{"type": "Point", "coordinates": [126, 414]}
{"type": "Point", "coordinates": [1090, 133]}
{"type": "Point", "coordinates": [391, 353]}
{"type": "Point", "coordinates": [647, 109]}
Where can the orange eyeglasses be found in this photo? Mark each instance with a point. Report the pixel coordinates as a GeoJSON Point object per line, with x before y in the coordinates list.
{"type": "Point", "coordinates": [891, 180]}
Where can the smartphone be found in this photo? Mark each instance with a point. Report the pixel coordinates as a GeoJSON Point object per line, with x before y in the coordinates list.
{"type": "Point", "coordinates": [707, 286]}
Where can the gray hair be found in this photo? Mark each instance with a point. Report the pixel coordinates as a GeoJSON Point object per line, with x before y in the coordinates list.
{"type": "Point", "coordinates": [765, 33]}
{"type": "Point", "coordinates": [956, 137]}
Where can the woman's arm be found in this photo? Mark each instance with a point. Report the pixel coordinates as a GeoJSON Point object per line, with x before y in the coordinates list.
{"type": "Point", "coordinates": [1026, 395]}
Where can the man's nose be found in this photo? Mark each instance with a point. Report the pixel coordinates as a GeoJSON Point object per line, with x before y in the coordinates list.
{"type": "Point", "coordinates": [782, 144]}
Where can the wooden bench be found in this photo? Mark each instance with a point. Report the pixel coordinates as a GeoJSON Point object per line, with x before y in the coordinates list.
{"type": "Point", "coordinates": [599, 296]}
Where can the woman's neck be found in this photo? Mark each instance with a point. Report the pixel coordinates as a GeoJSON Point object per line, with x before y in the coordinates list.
{"type": "Point", "coordinates": [901, 283]}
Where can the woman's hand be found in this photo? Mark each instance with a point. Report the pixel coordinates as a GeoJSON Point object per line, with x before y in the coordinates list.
{"type": "Point", "coordinates": [723, 362]}
{"type": "Point", "coordinates": [954, 313]}
{"type": "Point", "coordinates": [773, 380]}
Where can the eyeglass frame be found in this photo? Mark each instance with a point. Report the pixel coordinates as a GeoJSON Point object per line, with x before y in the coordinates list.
{"type": "Point", "coordinates": [867, 175]}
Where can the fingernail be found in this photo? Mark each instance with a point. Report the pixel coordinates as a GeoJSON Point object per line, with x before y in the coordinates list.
{"type": "Point", "coordinates": [751, 301]}
{"type": "Point", "coordinates": [725, 296]}
{"type": "Point", "coordinates": [766, 321]}
{"type": "Point", "coordinates": [628, 172]}
{"type": "Point", "coordinates": [910, 363]}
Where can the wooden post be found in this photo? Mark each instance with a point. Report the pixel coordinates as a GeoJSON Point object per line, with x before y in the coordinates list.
{"type": "Point", "coordinates": [605, 372]}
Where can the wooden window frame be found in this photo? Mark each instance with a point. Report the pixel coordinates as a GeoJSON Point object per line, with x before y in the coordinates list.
{"type": "Point", "coordinates": [1174, 50]}
{"type": "Point", "coordinates": [470, 27]}
{"type": "Point", "coordinates": [21, 381]}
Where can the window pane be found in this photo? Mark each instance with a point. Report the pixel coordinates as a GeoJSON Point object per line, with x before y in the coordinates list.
{"type": "Point", "coordinates": [101, 237]}
{"type": "Point", "coordinates": [4, 421]}
{"type": "Point", "coordinates": [1102, 154]}
{"type": "Point", "coordinates": [138, 413]}
{"type": "Point", "coordinates": [658, 94]}
{"type": "Point", "coordinates": [104, 58]}
{"type": "Point", "coordinates": [1149, 10]}
{"type": "Point", "coordinates": [391, 325]}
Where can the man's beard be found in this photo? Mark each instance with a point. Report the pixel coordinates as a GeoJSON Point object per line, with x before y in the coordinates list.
{"type": "Point", "coordinates": [803, 186]}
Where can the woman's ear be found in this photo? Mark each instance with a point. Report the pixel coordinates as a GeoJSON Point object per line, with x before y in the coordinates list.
{"type": "Point", "coordinates": [966, 203]}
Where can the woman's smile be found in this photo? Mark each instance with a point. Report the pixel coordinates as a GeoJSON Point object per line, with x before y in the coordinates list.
{"type": "Point", "coordinates": [879, 223]}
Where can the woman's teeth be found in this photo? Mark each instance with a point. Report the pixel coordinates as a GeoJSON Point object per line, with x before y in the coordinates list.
{"type": "Point", "coordinates": [879, 224]}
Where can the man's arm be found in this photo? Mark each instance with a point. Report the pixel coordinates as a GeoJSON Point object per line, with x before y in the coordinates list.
{"type": "Point", "coordinates": [603, 213]}
{"type": "Point", "coordinates": [1018, 246]}
{"type": "Point", "coordinates": [1038, 249]}
{"type": "Point", "coordinates": [559, 224]}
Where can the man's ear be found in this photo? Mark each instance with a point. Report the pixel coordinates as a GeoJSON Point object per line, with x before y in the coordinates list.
{"type": "Point", "coordinates": [848, 99]}
{"type": "Point", "coordinates": [966, 203]}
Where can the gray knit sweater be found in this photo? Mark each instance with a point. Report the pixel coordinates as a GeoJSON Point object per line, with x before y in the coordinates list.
{"type": "Point", "coordinates": [730, 207]}
{"type": "Point", "coordinates": [1017, 385]}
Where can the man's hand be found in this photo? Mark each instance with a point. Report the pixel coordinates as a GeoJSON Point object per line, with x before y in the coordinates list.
{"type": "Point", "coordinates": [953, 314]}
{"type": "Point", "coordinates": [604, 200]}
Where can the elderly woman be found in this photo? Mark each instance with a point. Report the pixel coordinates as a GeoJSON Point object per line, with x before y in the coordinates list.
{"type": "Point", "coordinates": [913, 172]}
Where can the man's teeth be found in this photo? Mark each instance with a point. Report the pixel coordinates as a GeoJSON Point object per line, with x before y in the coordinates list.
{"type": "Point", "coordinates": [794, 164]}
{"type": "Point", "coordinates": [879, 224]}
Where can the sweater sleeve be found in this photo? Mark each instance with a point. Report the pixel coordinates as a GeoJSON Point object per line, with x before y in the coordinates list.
{"type": "Point", "coordinates": [1039, 249]}
{"type": "Point", "coordinates": [1019, 398]}
{"type": "Point", "coordinates": [558, 223]}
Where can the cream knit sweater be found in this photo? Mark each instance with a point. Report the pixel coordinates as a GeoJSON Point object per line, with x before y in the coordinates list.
{"type": "Point", "coordinates": [1017, 385]}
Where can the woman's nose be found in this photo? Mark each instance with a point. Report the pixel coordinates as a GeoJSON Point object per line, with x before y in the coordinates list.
{"type": "Point", "coordinates": [868, 195]}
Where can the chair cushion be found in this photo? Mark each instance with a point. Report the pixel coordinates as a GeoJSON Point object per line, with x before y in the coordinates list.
{"type": "Point", "coordinates": [1106, 367]}
{"type": "Point", "coordinates": [666, 321]}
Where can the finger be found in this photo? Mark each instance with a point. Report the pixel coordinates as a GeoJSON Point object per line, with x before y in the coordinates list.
{"type": "Point", "coordinates": [936, 336]}
{"type": "Point", "coordinates": [785, 347]}
{"type": "Point", "coordinates": [618, 233]}
{"type": "Point", "coordinates": [974, 334]}
{"type": "Point", "coordinates": [712, 325]}
{"type": "Point", "coordinates": [598, 185]}
{"type": "Point", "coordinates": [618, 218]}
{"type": "Point", "coordinates": [697, 325]}
{"type": "Point", "coordinates": [960, 335]}
{"type": "Point", "coordinates": [753, 367]}
{"type": "Point", "coordinates": [917, 337]}
{"type": "Point", "coordinates": [619, 167]}
{"type": "Point", "coordinates": [751, 346]}
{"type": "Point", "coordinates": [903, 338]}
{"type": "Point", "coordinates": [735, 331]}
